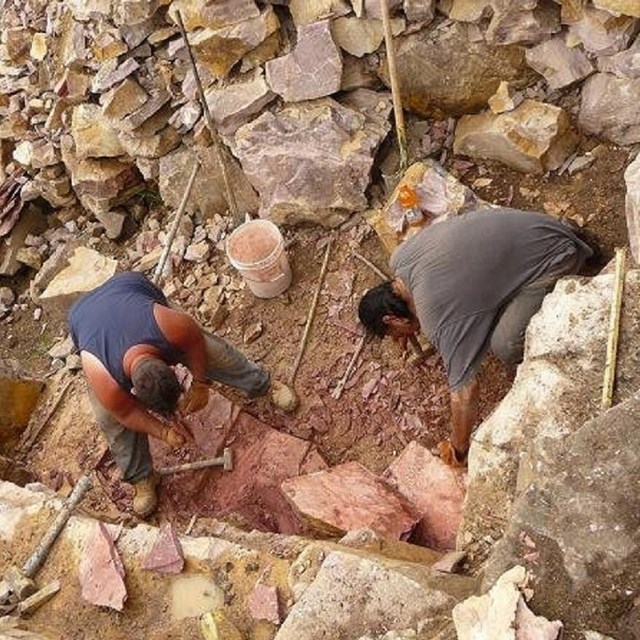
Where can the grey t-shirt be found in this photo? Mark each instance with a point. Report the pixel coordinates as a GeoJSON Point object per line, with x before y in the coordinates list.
{"type": "Point", "coordinates": [462, 271]}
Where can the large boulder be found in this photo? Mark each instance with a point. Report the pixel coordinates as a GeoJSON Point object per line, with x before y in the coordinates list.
{"type": "Point", "coordinates": [534, 138]}
{"type": "Point", "coordinates": [208, 193]}
{"type": "Point", "coordinates": [556, 389]}
{"type": "Point", "coordinates": [632, 206]}
{"type": "Point", "coordinates": [473, 71]}
{"type": "Point", "coordinates": [312, 70]}
{"type": "Point", "coordinates": [609, 108]}
{"type": "Point", "coordinates": [576, 526]}
{"type": "Point", "coordinates": [311, 161]}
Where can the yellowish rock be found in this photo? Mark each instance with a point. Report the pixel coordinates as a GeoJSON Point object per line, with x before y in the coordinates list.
{"type": "Point", "coordinates": [215, 625]}
{"type": "Point", "coordinates": [18, 399]}
{"type": "Point", "coordinates": [502, 100]}
{"type": "Point", "coordinates": [620, 7]}
{"type": "Point", "coordinates": [93, 135]}
{"type": "Point", "coordinates": [39, 47]}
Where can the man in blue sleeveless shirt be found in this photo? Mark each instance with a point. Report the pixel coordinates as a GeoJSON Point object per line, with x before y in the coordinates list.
{"type": "Point", "coordinates": [472, 284]}
{"type": "Point", "coordinates": [129, 338]}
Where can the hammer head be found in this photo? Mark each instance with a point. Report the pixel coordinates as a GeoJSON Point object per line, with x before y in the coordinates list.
{"type": "Point", "coordinates": [19, 586]}
{"type": "Point", "coordinates": [227, 459]}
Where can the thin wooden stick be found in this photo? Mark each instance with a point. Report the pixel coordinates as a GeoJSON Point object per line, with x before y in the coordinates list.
{"type": "Point", "coordinates": [395, 86]}
{"type": "Point", "coordinates": [337, 392]}
{"type": "Point", "coordinates": [310, 315]}
{"type": "Point", "coordinates": [215, 138]}
{"type": "Point", "coordinates": [614, 329]}
{"type": "Point", "coordinates": [174, 227]}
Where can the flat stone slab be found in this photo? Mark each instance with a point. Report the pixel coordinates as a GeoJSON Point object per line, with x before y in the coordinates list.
{"type": "Point", "coordinates": [437, 492]}
{"type": "Point", "coordinates": [263, 603]}
{"type": "Point", "coordinates": [102, 572]}
{"type": "Point", "coordinates": [350, 497]}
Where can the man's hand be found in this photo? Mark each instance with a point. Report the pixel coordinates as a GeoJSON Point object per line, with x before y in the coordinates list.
{"type": "Point", "coordinates": [195, 399]}
{"type": "Point", "coordinates": [172, 437]}
{"type": "Point", "coordinates": [451, 456]}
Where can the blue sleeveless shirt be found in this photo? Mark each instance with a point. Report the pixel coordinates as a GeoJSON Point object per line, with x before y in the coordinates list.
{"type": "Point", "coordinates": [117, 316]}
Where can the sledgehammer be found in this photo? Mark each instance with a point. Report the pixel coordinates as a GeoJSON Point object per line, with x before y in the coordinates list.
{"type": "Point", "coordinates": [225, 461]}
{"type": "Point", "coordinates": [18, 582]}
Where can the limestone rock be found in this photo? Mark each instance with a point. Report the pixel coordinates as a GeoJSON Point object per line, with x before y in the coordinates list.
{"type": "Point", "coordinates": [624, 64]}
{"type": "Point", "coordinates": [419, 10]}
{"type": "Point", "coordinates": [578, 507]}
{"type": "Point", "coordinates": [525, 22]}
{"type": "Point", "coordinates": [503, 99]}
{"type": "Point", "coordinates": [39, 47]}
{"type": "Point", "coordinates": [17, 42]}
{"type": "Point", "coordinates": [349, 497]}
{"type": "Point", "coordinates": [632, 206]}
{"type": "Point", "coordinates": [320, 156]}
{"type": "Point", "coordinates": [87, 270]}
{"type": "Point", "coordinates": [150, 146]}
{"type": "Point", "coordinates": [469, 10]}
{"type": "Point", "coordinates": [123, 100]}
{"type": "Point", "coordinates": [360, 36]}
{"type": "Point", "coordinates": [136, 11]}
{"type": "Point", "coordinates": [207, 196]}
{"type": "Point", "coordinates": [556, 389]}
{"type": "Point", "coordinates": [533, 138]}
{"type": "Point", "coordinates": [600, 32]}
{"type": "Point", "coordinates": [435, 490]}
{"type": "Point", "coordinates": [102, 572]}
{"type": "Point", "coordinates": [263, 603]}
{"type": "Point", "coordinates": [308, 11]}
{"type": "Point", "coordinates": [609, 108]}
{"type": "Point", "coordinates": [354, 596]}
{"type": "Point", "coordinates": [495, 615]}
{"type": "Point", "coordinates": [73, 85]}
{"type": "Point", "coordinates": [217, 50]}
{"type": "Point", "coordinates": [619, 7]}
{"type": "Point", "coordinates": [112, 221]}
{"type": "Point", "coordinates": [234, 105]}
{"type": "Point", "coordinates": [93, 135]}
{"type": "Point", "coordinates": [312, 70]}
{"type": "Point", "coordinates": [560, 65]}
{"type": "Point", "coordinates": [111, 74]}
{"type": "Point", "coordinates": [84, 10]}
{"type": "Point", "coordinates": [214, 15]}
{"type": "Point", "coordinates": [479, 69]}
{"type": "Point", "coordinates": [100, 184]}
{"type": "Point", "coordinates": [372, 8]}
{"type": "Point", "coordinates": [31, 222]}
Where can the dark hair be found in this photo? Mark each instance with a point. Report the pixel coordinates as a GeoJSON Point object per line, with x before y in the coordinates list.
{"type": "Point", "coordinates": [379, 302]}
{"type": "Point", "coordinates": [156, 386]}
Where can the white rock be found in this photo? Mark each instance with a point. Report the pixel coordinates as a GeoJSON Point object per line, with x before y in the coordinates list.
{"type": "Point", "coordinates": [632, 206]}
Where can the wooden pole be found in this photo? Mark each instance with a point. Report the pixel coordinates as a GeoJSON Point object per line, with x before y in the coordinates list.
{"type": "Point", "coordinates": [215, 138]}
{"type": "Point", "coordinates": [157, 274]}
{"type": "Point", "coordinates": [395, 86]}
{"type": "Point", "coordinates": [311, 315]}
{"type": "Point", "coordinates": [614, 329]}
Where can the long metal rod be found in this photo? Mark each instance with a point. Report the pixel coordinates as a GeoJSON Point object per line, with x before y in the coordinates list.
{"type": "Point", "coordinates": [174, 227]}
{"type": "Point", "coordinates": [395, 86]}
{"type": "Point", "coordinates": [37, 558]}
{"type": "Point", "coordinates": [614, 329]}
{"type": "Point", "coordinates": [215, 138]}
{"type": "Point", "coordinates": [310, 315]}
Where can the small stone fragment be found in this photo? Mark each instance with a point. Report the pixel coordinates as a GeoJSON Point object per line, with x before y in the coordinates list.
{"type": "Point", "coordinates": [263, 603]}
{"type": "Point", "coordinates": [283, 396]}
{"type": "Point", "coordinates": [503, 99]}
{"type": "Point", "coordinates": [39, 46]}
{"type": "Point", "coordinates": [252, 333]}
{"type": "Point", "coordinates": [166, 554]}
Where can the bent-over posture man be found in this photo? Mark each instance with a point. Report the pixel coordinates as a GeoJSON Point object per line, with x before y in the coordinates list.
{"type": "Point", "coordinates": [128, 338]}
{"type": "Point", "coordinates": [470, 284]}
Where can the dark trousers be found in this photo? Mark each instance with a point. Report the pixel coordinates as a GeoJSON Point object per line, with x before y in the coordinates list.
{"type": "Point", "coordinates": [507, 338]}
{"type": "Point", "coordinates": [225, 364]}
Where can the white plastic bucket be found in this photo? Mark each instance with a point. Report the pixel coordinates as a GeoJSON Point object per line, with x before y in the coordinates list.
{"type": "Point", "coordinates": [256, 250]}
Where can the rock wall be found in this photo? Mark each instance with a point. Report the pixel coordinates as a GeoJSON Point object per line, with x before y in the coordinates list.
{"type": "Point", "coordinates": [98, 100]}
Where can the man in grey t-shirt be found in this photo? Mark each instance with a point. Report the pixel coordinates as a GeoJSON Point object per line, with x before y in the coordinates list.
{"type": "Point", "coordinates": [470, 284]}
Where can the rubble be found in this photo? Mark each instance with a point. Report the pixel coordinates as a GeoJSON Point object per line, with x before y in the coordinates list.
{"type": "Point", "coordinates": [93, 135]}
{"type": "Point", "coordinates": [533, 138]}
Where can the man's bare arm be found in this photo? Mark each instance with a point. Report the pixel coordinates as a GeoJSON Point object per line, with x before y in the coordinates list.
{"type": "Point", "coordinates": [184, 333]}
{"type": "Point", "coordinates": [120, 404]}
{"type": "Point", "coordinates": [464, 414]}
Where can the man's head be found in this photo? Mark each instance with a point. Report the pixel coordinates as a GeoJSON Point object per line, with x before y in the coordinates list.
{"type": "Point", "coordinates": [385, 312]}
{"type": "Point", "coordinates": [156, 386]}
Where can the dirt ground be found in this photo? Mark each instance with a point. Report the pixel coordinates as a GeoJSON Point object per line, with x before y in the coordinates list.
{"type": "Point", "coordinates": [388, 402]}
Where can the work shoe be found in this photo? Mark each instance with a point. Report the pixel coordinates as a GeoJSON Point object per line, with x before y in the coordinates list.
{"type": "Point", "coordinates": [146, 499]}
